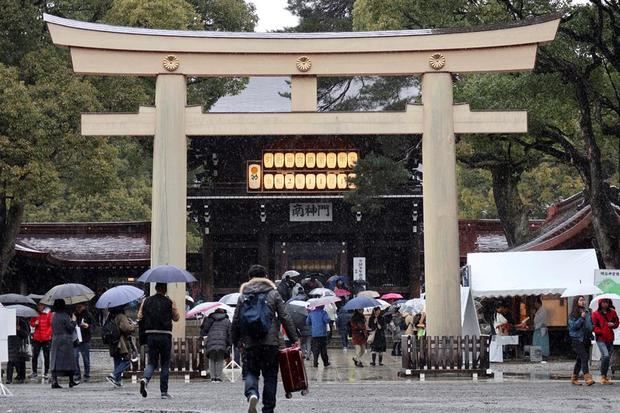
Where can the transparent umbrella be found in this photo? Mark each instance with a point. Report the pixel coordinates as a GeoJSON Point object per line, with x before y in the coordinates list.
{"type": "Point", "coordinates": [72, 293]}
{"type": "Point", "coordinates": [23, 311]}
{"type": "Point", "coordinates": [15, 299]}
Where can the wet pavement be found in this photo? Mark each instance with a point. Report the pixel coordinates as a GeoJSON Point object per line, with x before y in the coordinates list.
{"type": "Point", "coordinates": [338, 388]}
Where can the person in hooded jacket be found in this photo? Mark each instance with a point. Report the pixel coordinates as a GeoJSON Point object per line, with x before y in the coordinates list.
{"type": "Point", "coordinates": [121, 351]}
{"type": "Point", "coordinates": [17, 352]}
{"type": "Point", "coordinates": [580, 332]}
{"type": "Point", "coordinates": [318, 320]}
{"type": "Point", "coordinates": [604, 322]}
{"type": "Point", "coordinates": [41, 339]}
{"type": "Point", "coordinates": [261, 355]}
{"type": "Point", "coordinates": [216, 327]}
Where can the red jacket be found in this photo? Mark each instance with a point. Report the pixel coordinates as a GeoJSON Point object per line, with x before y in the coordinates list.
{"type": "Point", "coordinates": [602, 331]}
{"type": "Point", "coordinates": [42, 331]}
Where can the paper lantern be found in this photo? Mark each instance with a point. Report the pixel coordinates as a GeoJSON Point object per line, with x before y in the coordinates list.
{"type": "Point", "coordinates": [278, 181]}
{"type": "Point", "coordinates": [254, 181]}
{"type": "Point", "coordinates": [343, 160]}
{"type": "Point", "coordinates": [289, 160]}
{"type": "Point", "coordinates": [268, 181]}
{"type": "Point", "coordinates": [352, 159]}
{"type": "Point", "coordinates": [342, 181]}
{"type": "Point", "coordinates": [289, 181]}
{"type": "Point", "coordinates": [321, 160]}
{"type": "Point", "coordinates": [350, 181]}
{"type": "Point", "coordinates": [300, 160]}
{"type": "Point", "coordinates": [321, 181]}
{"type": "Point", "coordinates": [332, 160]}
{"type": "Point", "coordinates": [278, 160]}
{"type": "Point", "coordinates": [300, 181]}
{"type": "Point", "coordinates": [310, 160]}
{"type": "Point", "coordinates": [310, 181]}
{"type": "Point", "coordinates": [268, 160]}
{"type": "Point", "coordinates": [332, 181]}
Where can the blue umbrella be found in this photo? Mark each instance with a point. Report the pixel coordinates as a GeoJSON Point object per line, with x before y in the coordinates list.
{"type": "Point", "coordinates": [120, 295]}
{"type": "Point", "coordinates": [166, 274]}
{"type": "Point", "coordinates": [359, 303]}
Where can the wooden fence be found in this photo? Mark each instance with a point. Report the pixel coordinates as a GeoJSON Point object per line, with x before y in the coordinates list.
{"type": "Point", "coordinates": [188, 358]}
{"type": "Point", "coordinates": [445, 355]}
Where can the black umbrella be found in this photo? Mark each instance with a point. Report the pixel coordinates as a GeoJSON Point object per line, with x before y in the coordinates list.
{"type": "Point", "coordinates": [166, 274]}
{"type": "Point", "coordinates": [16, 299]}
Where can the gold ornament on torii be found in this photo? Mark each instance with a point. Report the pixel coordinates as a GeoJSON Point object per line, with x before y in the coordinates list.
{"type": "Point", "coordinates": [171, 63]}
{"type": "Point", "coordinates": [437, 61]}
{"type": "Point", "coordinates": [304, 64]}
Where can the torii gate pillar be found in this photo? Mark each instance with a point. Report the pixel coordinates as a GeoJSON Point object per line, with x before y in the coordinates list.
{"type": "Point", "coordinates": [441, 232]}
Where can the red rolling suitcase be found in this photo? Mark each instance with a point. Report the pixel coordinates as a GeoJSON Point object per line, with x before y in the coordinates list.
{"type": "Point", "coordinates": [294, 378]}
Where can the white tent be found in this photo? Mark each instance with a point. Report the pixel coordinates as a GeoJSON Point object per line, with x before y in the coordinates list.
{"type": "Point", "coordinates": [497, 274]}
{"type": "Point", "coordinates": [469, 316]}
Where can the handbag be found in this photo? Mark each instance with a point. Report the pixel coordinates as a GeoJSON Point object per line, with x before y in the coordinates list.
{"type": "Point", "coordinates": [371, 337]}
{"type": "Point", "coordinates": [25, 349]}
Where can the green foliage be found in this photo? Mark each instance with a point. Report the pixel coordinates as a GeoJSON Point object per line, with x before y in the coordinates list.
{"type": "Point", "coordinates": [226, 15]}
{"type": "Point", "coordinates": [154, 14]}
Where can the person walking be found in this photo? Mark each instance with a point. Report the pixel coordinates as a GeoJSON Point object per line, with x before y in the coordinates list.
{"type": "Point", "coordinates": [256, 323]}
{"type": "Point", "coordinates": [18, 353]}
{"type": "Point", "coordinates": [121, 346]}
{"type": "Point", "coordinates": [343, 328]}
{"type": "Point", "coordinates": [86, 323]}
{"type": "Point", "coordinates": [604, 321]}
{"type": "Point", "coordinates": [540, 337]}
{"type": "Point", "coordinates": [41, 339]}
{"type": "Point", "coordinates": [359, 336]}
{"type": "Point", "coordinates": [158, 312]}
{"type": "Point", "coordinates": [318, 319]}
{"type": "Point", "coordinates": [376, 325]}
{"type": "Point", "coordinates": [580, 332]}
{"type": "Point", "coordinates": [216, 327]}
{"type": "Point", "coordinates": [62, 356]}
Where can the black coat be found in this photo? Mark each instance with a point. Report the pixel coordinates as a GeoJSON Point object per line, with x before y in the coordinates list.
{"type": "Point", "coordinates": [62, 357]}
{"type": "Point", "coordinates": [216, 328]}
{"type": "Point", "coordinates": [378, 325]}
{"type": "Point", "coordinates": [17, 343]}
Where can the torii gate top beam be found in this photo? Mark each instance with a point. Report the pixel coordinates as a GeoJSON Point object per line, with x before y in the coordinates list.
{"type": "Point", "coordinates": [112, 50]}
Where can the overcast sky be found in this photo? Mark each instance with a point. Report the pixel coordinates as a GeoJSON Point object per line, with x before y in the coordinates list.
{"type": "Point", "coordinates": [273, 15]}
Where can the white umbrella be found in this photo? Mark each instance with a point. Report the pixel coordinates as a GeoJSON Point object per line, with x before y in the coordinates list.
{"type": "Point", "coordinates": [23, 311]}
{"type": "Point", "coordinates": [384, 304]}
{"type": "Point", "coordinates": [582, 289]}
{"type": "Point", "coordinates": [71, 293]}
{"type": "Point", "coordinates": [323, 301]}
{"type": "Point", "coordinates": [615, 298]}
{"type": "Point", "coordinates": [369, 293]}
{"type": "Point", "coordinates": [207, 308]}
{"type": "Point", "coordinates": [322, 292]}
{"type": "Point", "coordinates": [414, 306]}
{"type": "Point", "coordinates": [230, 299]}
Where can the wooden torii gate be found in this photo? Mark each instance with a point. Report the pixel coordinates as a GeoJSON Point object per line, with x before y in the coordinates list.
{"type": "Point", "coordinates": [171, 56]}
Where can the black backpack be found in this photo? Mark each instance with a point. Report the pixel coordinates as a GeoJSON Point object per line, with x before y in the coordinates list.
{"type": "Point", "coordinates": [256, 316]}
{"type": "Point", "coordinates": [110, 334]}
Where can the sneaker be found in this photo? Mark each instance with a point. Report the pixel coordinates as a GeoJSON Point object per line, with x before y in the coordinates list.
{"type": "Point", "coordinates": [166, 396]}
{"type": "Point", "coordinates": [86, 379]}
{"type": "Point", "coordinates": [33, 376]}
{"type": "Point", "coordinates": [253, 402]}
{"type": "Point", "coordinates": [143, 384]}
{"type": "Point", "coordinates": [113, 381]}
{"type": "Point", "coordinates": [327, 364]}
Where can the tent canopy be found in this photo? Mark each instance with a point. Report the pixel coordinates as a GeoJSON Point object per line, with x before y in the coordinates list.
{"type": "Point", "coordinates": [497, 274]}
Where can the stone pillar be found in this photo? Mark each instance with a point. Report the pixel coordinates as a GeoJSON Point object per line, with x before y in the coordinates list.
{"type": "Point", "coordinates": [169, 221]}
{"type": "Point", "coordinates": [441, 236]}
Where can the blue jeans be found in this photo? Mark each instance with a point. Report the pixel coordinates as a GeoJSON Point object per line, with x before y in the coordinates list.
{"type": "Point", "coordinates": [120, 365]}
{"type": "Point", "coordinates": [606, 350]}
{"type": "Point", "coordinates": [344, 337]}
{"type": "Point", "coordinates": [262, 360]}
{"type": "Point", "coordinates": [160, 346]}
{"type": "Point", "coordinates": [84, 349]}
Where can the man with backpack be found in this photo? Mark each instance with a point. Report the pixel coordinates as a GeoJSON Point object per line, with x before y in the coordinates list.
{"type": "Point", "coordinates": [116, 333]}
{"type": "Point", "coordinates": [256, 325]}
{"type": "Point", "coordinates": [157, 314]}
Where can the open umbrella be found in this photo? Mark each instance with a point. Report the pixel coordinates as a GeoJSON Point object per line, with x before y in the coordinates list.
{"type": "Point", "coordinates": [203, 308]}
{"type": "Point", "coordinates": [15, 299]}
{"type": "Point", "coordinates": [297, 307]}
{"type": "Point", "coordinates": [166, 274]}
{"type": "Point", "coordinates": [581, 289]}
{"type": "Point", "coordinates": [383, 304]}
{"type": "Point", "coordinates": [341, 292]}
{"type": "Point", "coordinates": [615, 298]}
{"type": "Point", "coordinates": [72, 293]}
{"type": "Point", "coordinates": [414, 306]}
{"type": "Point", "coordinates": [391, 296]}
{"type": "Point", "coordinates": [369, 293]}
{"type": "Point", "coordinates": [323, 301]}
{"type": "Point", "coordinates": [359, 303]}
{"type": "Point", "coordinates": [230, 299]}
{"type": "Point", "coordinates": [23, 311]}
{"type": "Point", "coordinates": [35, 297]}
{"type": "Point", "coordinates": [321, 292]}
{"type": "Point", "coordinates": [119, 295]}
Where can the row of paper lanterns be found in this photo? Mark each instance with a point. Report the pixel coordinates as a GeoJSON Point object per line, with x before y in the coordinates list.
{"type": "Point", "coordinates": [308, 182]}
{"type": "Point", "coordinates": [310, 160]}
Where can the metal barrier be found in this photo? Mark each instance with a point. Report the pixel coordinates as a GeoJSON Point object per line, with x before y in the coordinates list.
{"type": "Point", "coordinates": [462, 356]}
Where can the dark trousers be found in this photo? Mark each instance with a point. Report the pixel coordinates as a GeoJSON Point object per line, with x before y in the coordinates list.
{"type": "Point", "coordinates": [582, 348]}
{"type": "Point", "coordinates": [160, 346]}
{"type": "Point", "coordinates": [84, 349]}
{"type": "Point", "coordinates": [319, 346]}
{"type": "Point", "coordinates": [20, 368]}
{"type": "Point", "coordinates": [262, 360]}
{"type": "Point", "coordinates": [37, 346]}
{"type": "Point", "coordinates": [344, 337]}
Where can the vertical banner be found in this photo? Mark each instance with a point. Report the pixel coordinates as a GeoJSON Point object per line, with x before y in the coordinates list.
{"type": "Point", "coordinates": [359, 268]}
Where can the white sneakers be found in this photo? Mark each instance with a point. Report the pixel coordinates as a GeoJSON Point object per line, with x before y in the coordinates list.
{"type": "Point", "coordinates": [253, 401]}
